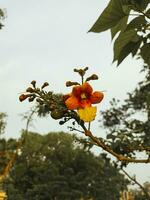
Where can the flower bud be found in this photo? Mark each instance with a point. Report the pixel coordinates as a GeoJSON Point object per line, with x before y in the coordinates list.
{"type": "Point", "coordinates": [80, 71]}
{"type": "Point", "coordinates": [93, 77]}
{"type": "Point", "coordinates": [45, 85]}
{"type": "Point", "coordinates": [22, 97]}
{"type": "Point", "coordinates": [69, 83]}
{"type": "Point", "coordinates": [30, 89]}
{"type": "Point", "coordinates": [57, 114]}
{"type": "Point", "coordinates": [33, 83]}
{"type": "Point", "coordinates": [85, 69]}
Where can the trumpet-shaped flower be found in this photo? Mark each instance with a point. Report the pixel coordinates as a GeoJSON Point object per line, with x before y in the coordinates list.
{"type": "Point", "coordinates": [81, 99]}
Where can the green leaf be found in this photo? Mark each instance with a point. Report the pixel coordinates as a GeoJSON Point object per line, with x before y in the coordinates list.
{"type": "Point", "coordinates": [148, 12]}
{"type": "Point", "coordinates": [131, 47]}
{"type": "Point", "coordinates": [1, 17]}
{"type": "Point", "coordinates": [110, 17]}
{"type": "Point", "coordinates": [136, 47]}
{"type": "Point", "coordinates": [1, 13]}
{"type": "Point", "coordinates": [126, 9]}
{"type": "Point", "coordinates": [143, 4]}
{"type": "Point", "coordinates": [148, 36]}
{"type": "Point", "coordinates": [110, 136]}
{"type": "Point", "coordinates": [136, 23]}
{"type": "Point", "coordinates": [145, 53]}
{"type": "Point", "coordinates": [123, 39]}
{"type": "Point", "coordinates": [121, 26]}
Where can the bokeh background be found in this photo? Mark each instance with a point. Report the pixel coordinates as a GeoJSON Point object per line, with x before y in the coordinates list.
{"type": "Point", "coordinates": [45, 41]}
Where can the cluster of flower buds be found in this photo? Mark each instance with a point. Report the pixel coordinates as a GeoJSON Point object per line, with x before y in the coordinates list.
{"type": "Point", "coordinates": [77, 105]}
{"type": "Point", "coordinates": [82, 73]}
{"type": "Point", "coordinates": [33, 93]}
{"type": "Point", "coordinates": [53, 103]}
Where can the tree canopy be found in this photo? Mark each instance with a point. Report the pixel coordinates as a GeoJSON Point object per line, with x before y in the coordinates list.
{"type": "Point", "coordinates": [128, 124]}
{"type": "Point", "coordinates": [56, 166]}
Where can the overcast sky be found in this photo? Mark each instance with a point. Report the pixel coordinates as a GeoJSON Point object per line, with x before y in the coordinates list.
{"type": "Point", "coordinates": [45, 41]}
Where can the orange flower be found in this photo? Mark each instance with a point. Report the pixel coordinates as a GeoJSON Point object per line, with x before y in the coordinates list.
{"type": "Point", "coordinates": [82, 96]}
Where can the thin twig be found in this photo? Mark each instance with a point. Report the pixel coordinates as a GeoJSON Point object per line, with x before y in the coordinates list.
{"type": "Point", "coordinates": [29, 119]}
{"type": "Point", "coordinates": [75, 129]}
{"type": "Point", "coordinates": [137, 183]}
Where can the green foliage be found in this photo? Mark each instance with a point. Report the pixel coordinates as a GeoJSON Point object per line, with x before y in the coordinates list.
{"type": "Point", "coordinates": [2, 122]}
{"type": "Point", "coordinates": [110, 17]}
{"type": "Point", "coordinates": [145, 52]}
{"type": "Point", "coordinates": [124, 44]}
{"type": "Point", "coordinates": [1, 17]}
{"type": "Point", "coordinates": [128, 132]}
{"type": "Point", "coordinates": [137, 22]}
{"type": "Point", "coordinates": [56, 166]}
{"type": "Point", "coordinates": [133, 33]}
{"type": "Point", "coordinates": [120, 26]}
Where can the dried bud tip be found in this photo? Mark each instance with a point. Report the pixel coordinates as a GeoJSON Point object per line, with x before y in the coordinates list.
{"type": "Point", "coordinates": [33, 83]}
{"type": "Point", "coordinates": [29, 89]}
{"type": "Point", "coordinates": [93, 77]}
{"type": "Point", "coordinates": [45, 85]}
{"type": "Point", "coordinates": [22, 97]}
{"type": "Point", "coordinates": [80, 71]}
{"type": "Point", "coordinates": [69, 83]}
{"type": "Point", "coordinates": [85, 69]}
{"type": "Point", "coordinates": [75, 70]}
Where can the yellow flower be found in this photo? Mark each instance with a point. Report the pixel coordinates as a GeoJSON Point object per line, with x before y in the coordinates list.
{"type": "Point", "coordinates": [87, 114]}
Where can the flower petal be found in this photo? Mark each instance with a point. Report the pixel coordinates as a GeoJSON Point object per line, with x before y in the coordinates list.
{"type": "Point", "coordinates": [87, 114]}
{"type": "Point", "coordinates": [96, 97]}
{"type": "Point", "coordinates": [84, 103]}
{"type": "Point", "coordinates": [86, 88]}
{"type": "Point", "coordinates": [76, 91]}
{"type": "Point", "coordinates": [66, 96]}
{"type": "Point", "coordinates": [72, 103]}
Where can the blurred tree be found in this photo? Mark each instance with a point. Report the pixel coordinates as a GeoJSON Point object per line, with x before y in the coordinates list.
{"type": "Point", "coordinates": [56, 166]}
{"type": "Point", "coordinates": [128, 21]}
{"type": "Point", "coordinates": [139, 195]}
{"type": "Point", "coordinates": [2, 122]}
{"type": "Point", "coordinates": [128, 125]}
{"type": "Point", "coordinates": [2, 141]}
{"type": "Point", "coordinates": [2, 15]}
